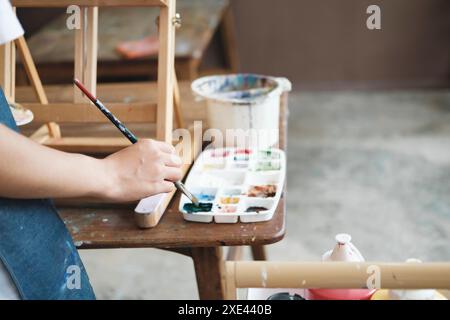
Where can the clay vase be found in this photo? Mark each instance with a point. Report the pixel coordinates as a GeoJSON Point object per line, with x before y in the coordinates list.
{"type": "Point", "coordinates": [344, 250]}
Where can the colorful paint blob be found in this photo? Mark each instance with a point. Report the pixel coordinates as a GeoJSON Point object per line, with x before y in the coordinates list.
{"type": "Point", "coordinates": [220, 154]}
{"type": "Point", "coordinates": [242, 155]}
{"type": "Point", "coordinates": [229, 200]}
{"type": "Point", "coordinates": [202, 207]}
{"type": "Point", "coordinates": [204, 197]}
{"type": "Point", "coordinates": [264, 191]}
{"type": "Point", "coordinates": [243, 151]}
{"type": "Point", "coordinates": [268, 154]}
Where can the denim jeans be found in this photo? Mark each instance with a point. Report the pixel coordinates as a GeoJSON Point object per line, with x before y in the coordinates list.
{"type": "Point", "coordinates": [36, 247]}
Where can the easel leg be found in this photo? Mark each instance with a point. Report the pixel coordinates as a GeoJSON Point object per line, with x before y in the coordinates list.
{"type": "Point", "coordinates": [209, 270]}
{"type": "Point", "coordinates": [31, 70]}
{"type": "Point", "coordinates": [177, 102]}
{"type": "Point", "coordinates": [86, 43]}
{"type": "Point", "coordinates": [166, 57]}
{"type": "Point", "coordinates": [54, 131]}
{"type": "Point", "coordinates": [7, 63]}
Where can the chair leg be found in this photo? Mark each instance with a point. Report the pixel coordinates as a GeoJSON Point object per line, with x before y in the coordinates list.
{"type": "Point", "coordinates": [234, 253]}
{"type": "Point", "coordinates": [209, 270]}
{"type": "Point", "coordinates": [259, 253]}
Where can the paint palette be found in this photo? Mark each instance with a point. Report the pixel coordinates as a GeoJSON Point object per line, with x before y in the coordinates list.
{"type": "Point", "coordinates": [234, 185]}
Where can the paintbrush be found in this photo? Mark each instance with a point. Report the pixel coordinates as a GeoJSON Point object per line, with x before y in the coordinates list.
{"type": "Point", "coordinates": [127, 133]}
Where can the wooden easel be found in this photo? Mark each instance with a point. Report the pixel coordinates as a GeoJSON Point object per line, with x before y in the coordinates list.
{"type": "Point", "coordinates": [79, 110]}
{"type": "Point", "coordinates": [85, 69]}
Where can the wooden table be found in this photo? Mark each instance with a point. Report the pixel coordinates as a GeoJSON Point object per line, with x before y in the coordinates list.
{"type": "Point", "coordinates": [200, 21]}
{"type": "Point", "coordinates": [113, 226]}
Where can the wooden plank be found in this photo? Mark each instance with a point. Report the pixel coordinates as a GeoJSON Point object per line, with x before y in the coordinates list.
{"type": "Point", "coordinates": [31, 70]}
{"type": "Point", "coordinates": [88, 3]}
{"type": "Point", "coordinates": [132, 92]}
{"type": "Point", "coordinates": [8, 69]}
{"type": "Point", "coordinates": [177, 103]}
{"type": "Point", "coordinates": [150, 220]}
{"type": "Point", "coordinates": [172, 231]}
{"type": "Point", "coordinates": [230, 282]}
{"type": "Point", "coordinates": [166, 58]}
{"type": "Point", "coordinates": [90, 50]}
{"type": "Point", "coordinates": [71, 113]}
{"type": "Point", "coordinates": [87, 144]}
{"type": "Point", "coordinates": [12, 76]}
{"type": "Point", "coordinates": [331, 275]}
{"type": "Point", "coordinates": [78, 96]}
{"type": "Point", "coordinates": [5, 69]}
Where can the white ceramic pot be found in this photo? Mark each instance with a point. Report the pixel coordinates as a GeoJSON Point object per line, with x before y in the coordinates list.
{"type": "Point", "coordinates": [243, 108]}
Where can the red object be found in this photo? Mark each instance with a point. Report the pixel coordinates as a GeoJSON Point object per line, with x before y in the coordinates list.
{"type": "Point", "coordinates": [243, 151]}
{"type": "Point", "coordinates": [339, 294]}
{"type": "Point", "coordinates": [85, 91]}
{"type": "Point", "coordinates": [142, 48]}
{"type": "Point", "coordinates": [219, 154]}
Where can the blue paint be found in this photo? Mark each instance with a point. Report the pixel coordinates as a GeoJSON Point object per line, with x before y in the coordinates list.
{"type": "Point", "coordinates": [204, 197]}
{"type": "Point", "coordinates": [202, 207]}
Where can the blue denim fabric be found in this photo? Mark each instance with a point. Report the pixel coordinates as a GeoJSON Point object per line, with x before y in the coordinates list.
{"type": "Point", "coordinates": [36, 247]}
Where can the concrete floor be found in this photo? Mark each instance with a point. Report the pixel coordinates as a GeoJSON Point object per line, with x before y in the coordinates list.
{"type": "Point", "coordinates": [375, 165]}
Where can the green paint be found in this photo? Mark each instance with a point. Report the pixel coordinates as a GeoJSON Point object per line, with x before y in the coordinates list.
{"type": "Point", "coordinates": [202, 207]}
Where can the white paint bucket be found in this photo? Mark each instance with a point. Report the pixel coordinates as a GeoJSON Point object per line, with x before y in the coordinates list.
{"type": "Point", "coordinates": [242, 109]}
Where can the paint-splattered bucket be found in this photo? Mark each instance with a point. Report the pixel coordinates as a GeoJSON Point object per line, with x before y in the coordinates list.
{"type": "Point", "coordinates": [243, 108]}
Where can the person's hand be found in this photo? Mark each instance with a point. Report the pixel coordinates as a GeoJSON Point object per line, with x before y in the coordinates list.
{"type": "Point", "coordinates": [146, 168]}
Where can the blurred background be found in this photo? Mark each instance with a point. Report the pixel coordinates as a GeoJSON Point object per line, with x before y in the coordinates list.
{"type": "Point", "coordinates": [369, 125]}
{"type": "Point", "coordinates": [317, 44]}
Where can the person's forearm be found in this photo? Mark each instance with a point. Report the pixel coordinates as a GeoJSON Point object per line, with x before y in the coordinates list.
{"type": "Point", "coordinates": [30, 170]}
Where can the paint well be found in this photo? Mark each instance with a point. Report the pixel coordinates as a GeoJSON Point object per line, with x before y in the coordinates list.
{"type": "Point", "coordinates": [256, 209]}
{"type": "Point", "coordinates": [204, 197]}
{"type": "Point", "coordinates": [202, 207]}
{"type": "Point", "coordinates": [229, 200]}
{"type": "Point", "coordinates": [263, 191]}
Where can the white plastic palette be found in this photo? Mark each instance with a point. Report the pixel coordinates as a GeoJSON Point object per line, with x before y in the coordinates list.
{"type": "Point", "coordinates": [239, 185]}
